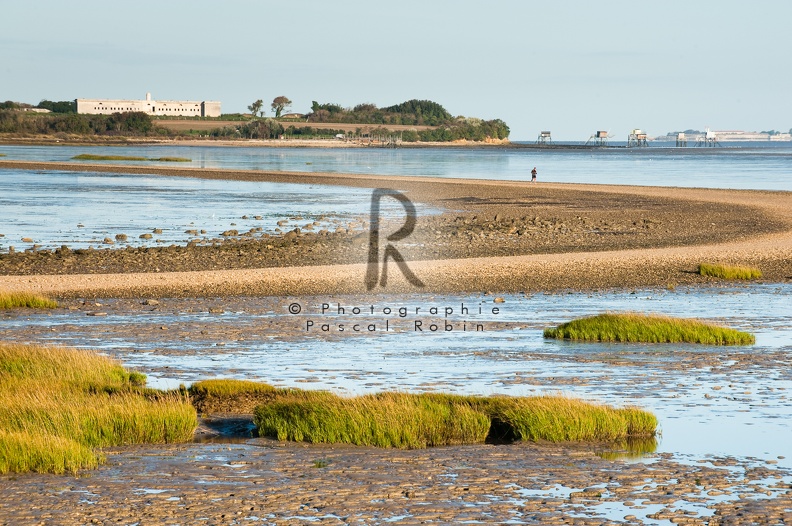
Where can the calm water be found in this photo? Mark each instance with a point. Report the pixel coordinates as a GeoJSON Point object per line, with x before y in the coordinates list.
{"type": "Point", "coordinates": [57, 208]}
{"type": "Point", "coordinates": [766, 166]}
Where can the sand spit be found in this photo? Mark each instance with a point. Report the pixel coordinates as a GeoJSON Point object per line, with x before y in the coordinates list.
{"type": "Point", "coordinates": [668, 232]}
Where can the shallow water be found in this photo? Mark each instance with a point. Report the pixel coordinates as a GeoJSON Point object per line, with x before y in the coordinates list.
{"type": "Point", "coordinates": [765, 166]}
{"type": "Point", "coordinates": [710, 400]}
{"type": "Point", "coordinates": [55, 208]}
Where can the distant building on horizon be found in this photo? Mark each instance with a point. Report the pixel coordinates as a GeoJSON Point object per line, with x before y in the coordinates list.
{"type": "Point", "coordinates": [183, 108]}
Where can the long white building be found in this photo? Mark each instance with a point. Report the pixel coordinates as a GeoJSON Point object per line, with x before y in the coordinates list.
{"type": "Point", "coordinates": [184, 108]}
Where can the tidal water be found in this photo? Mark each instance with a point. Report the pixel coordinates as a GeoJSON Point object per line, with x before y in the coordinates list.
{"type": "Point", "coordinates": [763, 166]}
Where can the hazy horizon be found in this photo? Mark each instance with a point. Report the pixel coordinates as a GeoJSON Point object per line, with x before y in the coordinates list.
{"type": "Point", "coordinates": [571, 68]}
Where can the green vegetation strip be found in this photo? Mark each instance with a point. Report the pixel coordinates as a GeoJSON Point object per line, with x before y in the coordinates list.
{"type": "Point", "coordinates": [633, 327]}
{"type": "Point", "coordinates": [16, 300]}
{"type": "Point", "coordinates": [729, 272]}
{"type": "Point", "coordinates": [58, 405]}
{"type": "Point", "coordinates": [89, 157]}
{"type": "Point", "coordinates": [422, 420]}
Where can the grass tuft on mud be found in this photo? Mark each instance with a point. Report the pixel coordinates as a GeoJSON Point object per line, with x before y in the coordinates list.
{"type": "Point", "coordinates": [645, 328]}
{"type": "Point", "coordinates": [59, 405]}
{"type": "Point", "coordinates": [229, 396]}
{"type": "Point", "coordinates": [18, 300]}
{"type": "Point", "coordinates": [405, 420]}
{"type": "Point", "coordinates": [729, 272]}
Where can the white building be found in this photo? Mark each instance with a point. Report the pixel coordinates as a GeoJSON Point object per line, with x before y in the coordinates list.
{"type": "Point", "coordinates": [184, 108]}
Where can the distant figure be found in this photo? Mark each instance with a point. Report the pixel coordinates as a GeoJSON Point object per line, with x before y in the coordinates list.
{"type": "Point", "coordinates": [533, 175]}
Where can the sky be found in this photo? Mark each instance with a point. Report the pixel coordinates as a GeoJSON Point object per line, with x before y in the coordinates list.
{"type": "Point", "coordinates": [570, 67]}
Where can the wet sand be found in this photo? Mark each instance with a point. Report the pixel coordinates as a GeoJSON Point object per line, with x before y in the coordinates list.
{"type": "Point", "coordinates": [263, 481]}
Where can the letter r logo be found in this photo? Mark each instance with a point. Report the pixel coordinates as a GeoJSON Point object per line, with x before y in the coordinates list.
{"type": "Point", "coordinates": [372, 271]}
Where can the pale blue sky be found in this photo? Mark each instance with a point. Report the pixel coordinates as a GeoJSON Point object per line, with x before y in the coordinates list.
{"type": "Point", "coordinates": [567, 66]}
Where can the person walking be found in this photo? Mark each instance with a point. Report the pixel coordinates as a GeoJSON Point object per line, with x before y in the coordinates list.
{"type": "Point", "coordinates": [533, 175]}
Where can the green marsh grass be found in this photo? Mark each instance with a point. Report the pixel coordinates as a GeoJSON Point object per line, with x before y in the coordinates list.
{"type": "Point", "coordinates": [643, 328]}
{"type": "Point", "coordinates": [58, 405]}
{"type": "Point", "coordinates": [228, 387]}
{"type": "Point", "coordinates": [404, 420]}
{"type": "Point", "coordinates": [229, 396]}
{"type": "Point", "coordinates": [16, 300]}
{"type": "Point", "coordinates": [90, 157]}
{"type": "Point", "coordinates": [729, 272]}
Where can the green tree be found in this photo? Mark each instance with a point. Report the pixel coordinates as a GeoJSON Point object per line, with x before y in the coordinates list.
{"type": "Point", "coordinates": [256, 107]}
{"type": "Point", "coordinates": [62, 106]}
{"type": "Point", "coordinates": [279, 104]}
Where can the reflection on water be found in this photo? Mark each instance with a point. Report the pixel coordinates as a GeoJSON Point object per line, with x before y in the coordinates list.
{"type": "Point", "coordinates": [631, 449]}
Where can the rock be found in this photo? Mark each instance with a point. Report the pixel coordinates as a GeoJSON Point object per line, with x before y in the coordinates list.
{"type": "Point", "coordinates": [158, 231]}
{"type": "Point", "coordinates": [216, 310]}
{"type": "Point", "coordinates": [108, 241]}
{"type": "Point", "coordinates": [499, 300]}
{"type": "Point", "coordinates": [146, 236]}
{"type": "Point", "coordinates": [231, 232]}
{"type": "Point", "coordinates": [27, 240]}
{"type": "Point", "coordinates": [121, 237]}
{"type": "Point", "coordinates": [191, 232]}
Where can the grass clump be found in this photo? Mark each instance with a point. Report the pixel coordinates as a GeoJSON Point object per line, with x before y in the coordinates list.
{"type": "Point", "coordinates": [229, 396]}
{"type": "Point", "coordinates": [634, 327]}
{"type": "Point", "coordinates": [729, 272]}
{"type": "Point", "coordinates": [560, 419]}
{"type": "Point", "coordinates": [383, 420]}
{"type": "Point", "coordinates": [16, 300]}
{"type": "Point", "coordinates": [422, 420]}
{"type": "Point", "coordinates": [58, 405]}
{"type": "Point", "coordinates": [91, 157]}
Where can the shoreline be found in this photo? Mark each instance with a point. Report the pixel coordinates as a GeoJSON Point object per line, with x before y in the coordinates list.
{"type": "Point", "coordinates": [290, 143]}
{"type": "Point", "coordinates": [654, 262]}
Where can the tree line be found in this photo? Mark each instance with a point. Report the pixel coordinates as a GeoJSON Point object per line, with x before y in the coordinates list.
{"type": "Point", "coordinates": [128, 123]}
{"type": "Point", "coordinates": [64, 119]}
{"type": "Point", "coordinates": [413, 113]}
